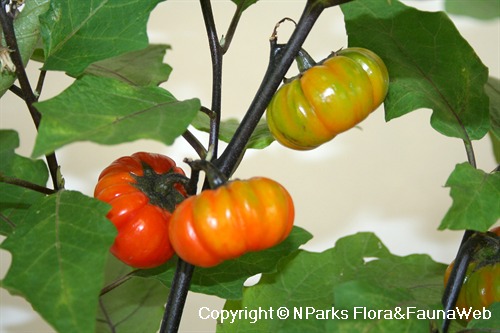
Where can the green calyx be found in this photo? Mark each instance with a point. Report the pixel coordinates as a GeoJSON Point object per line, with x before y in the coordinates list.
{"type": "Point", "coordinates": [161, 189]}
{"type": "Point", "coordinates": [488, 250]}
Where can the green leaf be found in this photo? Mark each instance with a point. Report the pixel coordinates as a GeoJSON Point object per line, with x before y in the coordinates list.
{"type": "Point", "coordinates": [495, 142]}
{"type": "Point", "coordinates": [480, 9]}
{"type": "Point", "coordinates": [27, 29]}
{"type": "Point", "coordinates": [244, 4]}
{"type": "Point", "coordinates": [108, 111]}
{"type": "Point", "coordinates": [226, 280]}
{"type": "Point", "coordinates": [430, 65]}
{"type": "Point", "coordinates": [484, 323]}
{"type": "Point", "coordinates": [136, 306]}
{"type": "Point", "coordinates": [15, 200]}
{"type": "Point", "coordinates": [58, 257]}
{"type": "Point", "coordinates": [492, 88]}
{"type": "Point", "coordinates": [392, 302]}
{"type": "Point", "coordinates": [77, 33]}
{"type": "Point", "coordinates": [261, 137]}
{"type": "Point", "coordinates": [140, 68]}
{"type": "Point", "coordinates": [358, 272]}
{"type": "Point", "coordinates": [475, 199]}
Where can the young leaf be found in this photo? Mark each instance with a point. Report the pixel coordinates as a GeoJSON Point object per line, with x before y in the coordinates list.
{"type": "Point", "coordinates": [139, 68]}
{"type": "Point", "coordinates": [77, 33]}
{"type": "Point", "coordinates": [58, 256]}
{"type": "Point", "coordinates": [226, 280]}
{"type": "Point", "coordinates": [321, 290]}
{"type": "Point", "coordinates": [27, 29]}
{"type": "Point", "coordinates": [244, 4]}
{"type": "Point", "coordinates": [430, 65]}
{"type": "Point", "coordinates": [15, 200]}
{"type": "Point", "coordinates": [475, 199]}
{"type": "Point", "coordinates": [480, 9]}
{"type": "Point", "coordinates": [260, 139]}
{"type": "Point", "coordinates": [134, 306]}
{"type": "Point", "coordinates": [108, 111]}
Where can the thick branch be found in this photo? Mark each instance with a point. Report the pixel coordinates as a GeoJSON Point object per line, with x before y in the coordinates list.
{"type": "Point", "coordinates": [177, 297]}
{"type": "Point", "coordinates": [216, 54]}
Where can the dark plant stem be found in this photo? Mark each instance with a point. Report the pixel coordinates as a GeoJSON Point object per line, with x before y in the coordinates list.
{"type": "Point", "coordinates": [280, 61]}
{"type": "Point", "coordinates": [27, 93]}
{"type": "Point", "coordinates": [216, 55]}
{"type": "Point", "coordinates": [11, 40]}
{"type": "Point", "coordinates": [118, 282]}
{"type": "Point", "coordinates": [449, 297]}
{"type": "Point", "coordinates": [184, 271]}
{"type": "Point", "coordinates": [26, 184]}
{"type": "Point", "coordinates": [465, 255]}
{"type": "Point", "coordinates": [177, 297]}
{"type": "Point", "coordinates": [277, 68]}
{"type": "Point", "coordinates": [17, 91]}
{"type": "Point", "coordinates": [195, 143]}
{"type": "Point", "coordinates": [39, 85]}
{"type": "Point", "coordinates": [472, 161]}
{"type": "Point", "coordinates": [232, 27]}
{"type": "Point", "coordinates": [470, 151]}
{"type": "Point", "coordinates": [214, 177]}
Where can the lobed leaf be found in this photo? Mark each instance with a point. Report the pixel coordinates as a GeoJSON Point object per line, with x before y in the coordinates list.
{"type": "Point", "coordinates": [358, 272]}
{"type": "Point", "coordinates": [139, 68]}
{"type": "Point", "coordinates": [77, 33]}
{"type": "Point", "coordinates": [14, 200]}
{"type": "Point", "coordinates": [226, 280]}
{"type": "Point", "coordinates": [260, 138]}
{"type": "Point", "coordinates": [108, 111]}
{"type": "Point", "coordinates": [475, 199]}
{"type": "Point", "coordinates": [58, 256]}
{"type": "Point", "coordinates": [430, 65]}
{"type": "Point", "coordinates": [27, 30]}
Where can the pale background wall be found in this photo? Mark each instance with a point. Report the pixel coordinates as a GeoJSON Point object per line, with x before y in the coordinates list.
{"type": "Point", "coordinates": [387, 178]}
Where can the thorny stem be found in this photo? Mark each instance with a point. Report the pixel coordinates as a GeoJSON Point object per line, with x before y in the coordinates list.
{"type": "Point", "coordinates": [29, 97]}
{"type": "Point", "coordinates": [278, 66]}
